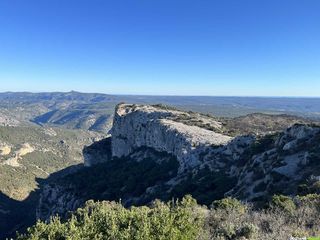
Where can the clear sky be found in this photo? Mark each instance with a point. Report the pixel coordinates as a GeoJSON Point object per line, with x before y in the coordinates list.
{"type": "Point", "coordinates": [170, 47]}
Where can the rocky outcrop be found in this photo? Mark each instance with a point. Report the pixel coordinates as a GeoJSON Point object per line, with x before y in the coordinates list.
{"type": "Point", "coordinates": [5, 149]}
{"type": "Point", "coordinates": [24, 150]}
{"type": "Point", "coordinates": [57, 200]}
{"type": "Point", "coordinates": [281, 165]}
{"type": "Point", "coordinates": [136, 126]}
{"type": "Point", "coordinates": [98, 152]}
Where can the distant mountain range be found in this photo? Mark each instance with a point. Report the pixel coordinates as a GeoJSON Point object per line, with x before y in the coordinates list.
{"type": "Point", "coordinates": [94, 111]}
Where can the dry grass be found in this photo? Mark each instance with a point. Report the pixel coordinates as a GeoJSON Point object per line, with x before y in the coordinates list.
{"type": "Point", "coordinates": [273, 223]}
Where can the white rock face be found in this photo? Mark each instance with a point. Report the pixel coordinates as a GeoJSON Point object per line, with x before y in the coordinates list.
{"type": "Point", "coordinates": [292, 135]}
{"type": "Point", "coordinates": [282, 165]}
{"type": "Point", "coordinates": [137, 126]}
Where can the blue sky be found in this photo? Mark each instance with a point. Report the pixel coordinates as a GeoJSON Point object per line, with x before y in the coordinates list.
{"type": "Point", "coordinates": [168, 47]}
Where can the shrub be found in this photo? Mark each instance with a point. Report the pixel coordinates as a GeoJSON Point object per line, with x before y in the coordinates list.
{"type": "Point", "coordinates": [316, 187]}
{"type": "Point", "coordinates": [283, 203]}
{"type": "Point", "coordinates": [299, 233]}
{"type": "Point", "coordinates": [249, 231]}
{"type": "Point", "coordinates": [109, 220]}
{"type": "Point", "coordinates": [229, 204]}
{"type": "Point", "coordinates": [185, 220]}
{"type": "Point", "coordinates": [310, 200]}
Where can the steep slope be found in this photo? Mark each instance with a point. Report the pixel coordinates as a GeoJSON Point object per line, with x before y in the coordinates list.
{"type": "Point", "coordinates": [126, 179]}
{"type": "Point", "coordinates": [164, 130]}
{"type": "Point", "coordinates": [78, 117]}
{"type": "Point", "coordinates": [280, 163]}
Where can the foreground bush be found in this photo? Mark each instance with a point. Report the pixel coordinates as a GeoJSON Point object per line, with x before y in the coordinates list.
{"type": "Point", "coordinates": [109, 220]}
{"type": "Point", "coordinates": [283, 203]}
{"type": "Point", "coordinates": [229, 204]}
{"type": "Point", "coordinates": [228, 219]}
{"type": "Point", "coordinates": [286, 217]}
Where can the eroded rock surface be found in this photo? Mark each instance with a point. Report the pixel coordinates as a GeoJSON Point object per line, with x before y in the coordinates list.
{"type": "Point", "coordinates": [162, 129]}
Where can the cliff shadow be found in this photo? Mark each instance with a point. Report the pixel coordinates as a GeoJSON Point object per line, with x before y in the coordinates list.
{"type": "Point", "coordinates": [17, 216]}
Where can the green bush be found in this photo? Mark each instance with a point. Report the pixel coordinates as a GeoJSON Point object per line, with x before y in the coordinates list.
{"type": "Point", "coordinates": [109, 220]}
{"type": "Point", "coordinates": [229, 204]}
{"type": "Point", "coordinates": [229, 219]}
{"type": "Point", "coordinates": [316, 187]}
{"type": "Point", "coordinates": [298, 233]}
{"type": "Point", "coordinates": [249, 231]}
{"type": "Point", "coordinates": [310, 200]}
{"type": "Point", "coordinates": [283, 203]}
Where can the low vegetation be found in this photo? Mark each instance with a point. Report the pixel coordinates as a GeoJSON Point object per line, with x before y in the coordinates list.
{"type": "Point", "coordinates": [226, 219]}
{"type": "Point", "coordinates": [109, 220]}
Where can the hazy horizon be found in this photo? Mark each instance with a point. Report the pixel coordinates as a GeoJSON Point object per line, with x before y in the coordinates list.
{"type": "Point", "coordinates": [159, 95]}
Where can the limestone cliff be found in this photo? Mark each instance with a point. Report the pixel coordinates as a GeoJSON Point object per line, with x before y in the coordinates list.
{"type": "Point", "coordinates": [160, 128]}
